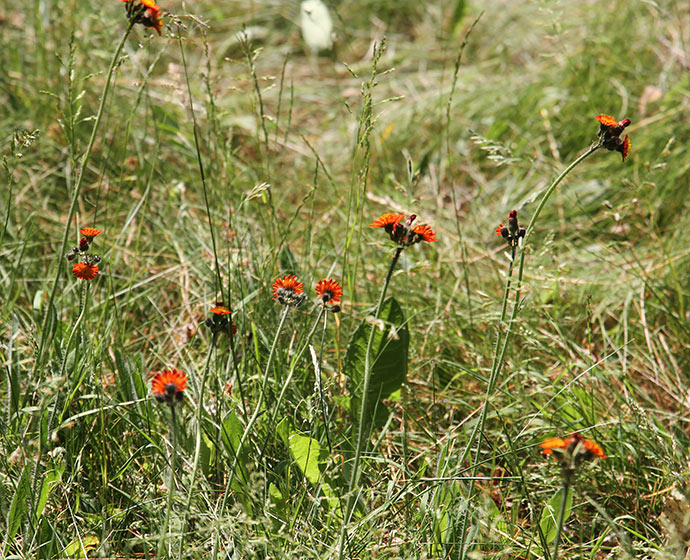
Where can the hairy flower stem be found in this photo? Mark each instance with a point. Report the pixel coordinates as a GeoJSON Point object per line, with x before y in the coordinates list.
{"type": "Point", "coordinates": [502, 342]}
{"type": "Point", "coordinates": [363, 427]}
{"type": "Point", "coordinates": [319, 386]}
{"type": "Point", "coordinates": [75, 198]}
{"type": "Point", "coordinates": [171, 484]}
{"type": "Point", "coordinates": [197, 443]}
{"type": "Point", "coordinates": [248, 429]}
{"type": "Point", "coordinates": [561, 516]}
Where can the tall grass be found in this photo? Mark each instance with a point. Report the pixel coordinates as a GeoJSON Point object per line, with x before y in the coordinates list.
{"type": "Point", "coordinates": [215, 160]}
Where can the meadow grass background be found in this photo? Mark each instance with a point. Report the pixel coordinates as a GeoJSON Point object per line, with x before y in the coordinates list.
{"type": "Point", "coordinates": [300, 154]}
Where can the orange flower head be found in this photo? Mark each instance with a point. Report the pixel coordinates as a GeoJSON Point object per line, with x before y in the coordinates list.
{"type": "Point", "coordinates": [607, 120]}
{"type": "Point", "coordinates": [610, 132]}
{"type": "Point", "coordinates": [220, 310]}
{"type": "Point", "coordinates": [550, 444]}
{"type": "Point", "coordinates": [593, 448]}
{"type": "Point", "coordinates": [329, 291]}
{"type": "Point", "coordinates": [425, 232]}
{"type": "Point", "coordinates": [388, 221]}
{"type": "Point", "coordinates": [89, 233]}
{"type": "Point", "coordinates": [572, 450]}
{"type": "Point", "coordinates": [168, 386]}
{"type": "Point", "coordinates": [85, 271]}
{"type": "Point", "coordinates": [288, 290]}
{"type": "Point", "coordinates": [145, 12]}
{"type": "Point", "coordinates": [499, 230]}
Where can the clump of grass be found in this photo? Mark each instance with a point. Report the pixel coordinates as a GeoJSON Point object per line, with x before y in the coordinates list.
{"type": "Point", "coordinates": [216, 166]}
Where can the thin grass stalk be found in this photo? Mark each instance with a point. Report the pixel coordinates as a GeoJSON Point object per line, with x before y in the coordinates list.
{"type": "Point", "coordinates": [248, 429]}
{"type": "Point", "coordinates": [75, 197]}
{"type": "Point", "coordinates": [361, 436]}
{"type": "Point", "coordinates": [171, 484]}
{"type": "Point", "coordinates": [197, 443]}
{"type": "Point", "coordinates": [500, 349]}
{"type": "Point", "coordinates": [202, 174]}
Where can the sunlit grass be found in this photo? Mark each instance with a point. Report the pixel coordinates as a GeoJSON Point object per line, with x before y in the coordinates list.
{"type": "Point", "coordinates": [299, 154]}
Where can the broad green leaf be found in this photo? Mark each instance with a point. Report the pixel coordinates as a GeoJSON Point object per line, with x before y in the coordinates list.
{"type": "Point", "coordinates": [307, 453]}
{"type": "Point", "coordinates": [231, 434]}
{"type": "Point", "coordinates": [310, 457]}
{"type": "Point", "coordinates": [77, 548]}
{"type": "Point", "coordinates": [18, 506]}
{"type": "Point", "coordinates": [388, 362]}
{"type": "Point", "coordinates": [49, 481]}
{"type": "Point", "coordinates": [549, 515]}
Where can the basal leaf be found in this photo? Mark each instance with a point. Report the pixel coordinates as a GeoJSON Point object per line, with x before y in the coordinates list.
{"type": "Point", "coordinates": [388, 361]}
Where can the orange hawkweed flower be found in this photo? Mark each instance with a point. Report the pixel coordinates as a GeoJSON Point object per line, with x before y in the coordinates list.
{"type": "Point", "coordinates": [425, 232]}
{"type": "Point", "coordinates": [594, 448]}
{"type": "Point", "coordinates": [550, 444]}
{"type": "Point", "coordinates": [400, 229]}
{"type": "Point", "coordinates": [145, 12]}
{"type": "Point", "coordinates": [607, 120]}
{"type": "Point", "coordinates": [220, 310]}
{"type": "Point", "coordinates": [168, 386]}
{"type": "Point", "coordinates": [89, 233]}
{"type": "Point", "coordinates": [388, 220]}
{"type": "Point", "coordinates": [85, 271]}
{"type": "Point", "coordinates": [574, 449]}
{"type": "Point", "coordinates": [610, 131]}
{"type": "Point", "coordinates": [288, 290]}
{"type": "Point", "coordinates": [329, 291]}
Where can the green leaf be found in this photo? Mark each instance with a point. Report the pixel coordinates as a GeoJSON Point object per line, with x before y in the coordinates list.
{"type": "Point", "coordinates": [231, 434]}
{"type": "Point", "coordinates": [18, 507]}
{"type": "Point", "coordinates": [458, 14]}
{"type": "Point", "coordinates": [49, 481]}
{"type": "Point", "coordinates": [388, 358]}
{"type": "Point", "coordinates": [77, 548]}
{"type": "Point", "coordinates": [307, 453]}
{"type": "Point", "coordinates": [549, 515]}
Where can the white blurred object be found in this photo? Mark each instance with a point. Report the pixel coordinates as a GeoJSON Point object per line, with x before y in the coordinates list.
{"type": "Point", "coordinates": [316, 24]}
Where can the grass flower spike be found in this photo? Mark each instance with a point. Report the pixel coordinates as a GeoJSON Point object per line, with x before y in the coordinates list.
{"type": "Point", "coordinates": [145, 12]}
{"type": "Point", "coordinates": [288, 290]}
{"type": "Point", "coordinates": [610, 131]}
{"type": "Point", "coordinates": [168, 386]}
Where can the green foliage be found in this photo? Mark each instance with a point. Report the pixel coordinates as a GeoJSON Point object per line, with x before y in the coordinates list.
{"type": "Point", "coordinates": [299, 155]}
{"type": "Point", "coordinates": [382, 345]}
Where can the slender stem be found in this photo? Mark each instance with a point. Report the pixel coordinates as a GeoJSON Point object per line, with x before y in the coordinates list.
{"type": "Point", "coordinates": [319, 386]}
{"type": "Point", "coordinates": [197, 444]}
{"type": "Point", "coordinates": [559, 522]}
{"type": "Point", "coordinates": [364, 426]}
{"type": "Point", "coordinates": [502, 342]}
{"type": "Point", "coordinates": [75, 197]}
{"type": "Point", "coordinates": [250, 425]}
{"type": "Point", "coordinates": [171, 484]}
{"type": "Point", "coordinates": [202, 174]}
